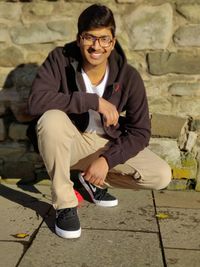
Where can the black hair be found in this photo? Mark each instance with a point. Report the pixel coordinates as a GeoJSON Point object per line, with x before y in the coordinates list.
{"type": "Point", "coordinates": [94, 17]}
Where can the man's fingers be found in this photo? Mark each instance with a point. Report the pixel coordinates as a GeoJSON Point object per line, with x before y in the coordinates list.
{"type": "Point", "coordinates": [111, 119]}
{"type": "Point", "coordinates": [109, 112]}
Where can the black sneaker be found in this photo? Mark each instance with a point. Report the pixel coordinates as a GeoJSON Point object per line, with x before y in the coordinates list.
{"type": "Point", "coordinates": [67, 223]}
{"type": "Point", "coordinates": [98, 195]}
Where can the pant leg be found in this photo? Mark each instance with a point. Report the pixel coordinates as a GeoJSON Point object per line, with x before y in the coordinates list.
{"type": "Point", "coordinates": [146, 170]}
{"type": "Point", "coordinates": [61, 145]}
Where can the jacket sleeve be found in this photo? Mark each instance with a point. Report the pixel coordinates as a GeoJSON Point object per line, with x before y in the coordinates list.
{"type": "Point", "coordinates": [46, 94]}
{"type": "Point", "coordinates": [136, 133]}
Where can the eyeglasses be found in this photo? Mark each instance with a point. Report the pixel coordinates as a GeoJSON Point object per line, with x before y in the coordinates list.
{"type": "Point", "coordinates": [89, 39]}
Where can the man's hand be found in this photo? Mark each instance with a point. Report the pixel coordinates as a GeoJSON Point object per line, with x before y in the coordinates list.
{"type": "Point", "coordinates": [96, 172]}
{"type": "Point", "coordinates": [109, 112]}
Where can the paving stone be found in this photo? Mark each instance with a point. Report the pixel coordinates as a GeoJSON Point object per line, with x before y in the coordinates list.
{"type": "Point", "coordinates": [182, 258]}
{"type": "Point", "coordinates": [134, 212]}
{"type": "Point", "coordinates": [95, 248]}
{"type": "Point", "coordinates": [188, 199]}
{"type": "Point", "coordinates": [10, 252]}
{"type": "Point", "coordinates": [22, 210]}
{"type": "Point", "coordinates": [181, 230]}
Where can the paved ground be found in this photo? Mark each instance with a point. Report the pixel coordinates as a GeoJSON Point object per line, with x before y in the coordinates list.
{"type": "Point", "coordinates": [130, 235]}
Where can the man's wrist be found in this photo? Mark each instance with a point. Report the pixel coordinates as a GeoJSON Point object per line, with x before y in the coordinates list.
{"type": "Point", "coordinates": [105, 160]}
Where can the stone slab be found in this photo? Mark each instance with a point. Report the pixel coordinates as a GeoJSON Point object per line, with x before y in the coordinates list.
{"type": "Point", "coordinates": [95, 248]}
{"type": "Point", "coordinates": [10, 252]}
{"type": "Point", "coordinates": [182, 228]}
{"type": "Point", "coordinates": [182, 258]}
{"type": "Point", "coordinates": [134, 212]}
{"type": "Point", "coordinates": [177, 199]}
{"type": "Point", "coordinates": [22, 210]}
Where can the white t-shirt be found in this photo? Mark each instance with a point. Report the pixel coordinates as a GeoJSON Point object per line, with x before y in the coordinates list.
{"type": "Point", "coordinates": [95, 124]}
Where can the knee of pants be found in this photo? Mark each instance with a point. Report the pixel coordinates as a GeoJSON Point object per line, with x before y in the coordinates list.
{"type": "Point", "coordinates": [53, 124]}
{"type": "Point", "coordinates": [164, 176]}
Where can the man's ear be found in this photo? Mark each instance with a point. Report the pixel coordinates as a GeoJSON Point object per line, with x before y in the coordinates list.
{"type": "Point", "coordinates": [113, 43]}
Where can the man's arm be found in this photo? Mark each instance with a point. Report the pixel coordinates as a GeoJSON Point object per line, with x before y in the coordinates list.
{"type": "Point", "coordinates": [137, 128]}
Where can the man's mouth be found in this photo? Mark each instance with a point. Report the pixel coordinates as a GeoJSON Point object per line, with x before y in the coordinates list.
{"type": "Point", "coordinates": [95, 55]}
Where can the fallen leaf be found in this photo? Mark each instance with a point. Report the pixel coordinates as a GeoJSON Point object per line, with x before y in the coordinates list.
{"type": "Point", "coordinates": [21, 235]}
{"type": "Point", "coordinates": [162, 216]}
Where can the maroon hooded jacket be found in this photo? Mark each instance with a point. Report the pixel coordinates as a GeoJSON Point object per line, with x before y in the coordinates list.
{"type": "Point", "coordinates": [59, 85]}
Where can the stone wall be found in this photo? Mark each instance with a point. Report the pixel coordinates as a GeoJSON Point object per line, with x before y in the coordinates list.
{"type": "Point", "coordinates": [161, 39]}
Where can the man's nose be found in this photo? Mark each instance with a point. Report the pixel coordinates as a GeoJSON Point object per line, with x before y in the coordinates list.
{"type": "Point", "coordinates": [96, 44]}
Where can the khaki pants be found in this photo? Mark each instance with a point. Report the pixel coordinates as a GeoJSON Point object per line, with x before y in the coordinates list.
{"type": "Point", "coordinates": [63, 147]}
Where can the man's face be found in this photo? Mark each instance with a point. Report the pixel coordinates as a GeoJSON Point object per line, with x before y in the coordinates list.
{"type": "Point", "coordinates": [96, 46]}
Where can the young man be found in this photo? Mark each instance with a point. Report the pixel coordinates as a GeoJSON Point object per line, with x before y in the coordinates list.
{"type": "Point", "coordinates": [78, 95]}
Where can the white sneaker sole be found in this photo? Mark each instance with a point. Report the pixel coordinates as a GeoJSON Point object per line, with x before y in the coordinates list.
{"type": "Point", "coordinates": [101, 203]}
{"type": "Point", "coordinates": [67, 234]}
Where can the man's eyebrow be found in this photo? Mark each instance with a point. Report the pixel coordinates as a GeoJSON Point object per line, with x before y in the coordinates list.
{"type": "Point", "coordinates": [96, 35]}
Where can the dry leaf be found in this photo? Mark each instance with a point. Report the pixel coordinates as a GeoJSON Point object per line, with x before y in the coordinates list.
{"type": "Point", "coordinates": [162, 216]}
{"type": "Point", "coordinates": [21, 235]}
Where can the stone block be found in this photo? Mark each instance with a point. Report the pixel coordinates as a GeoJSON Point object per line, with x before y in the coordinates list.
{"type": "Point", "coordinates": [11, 57]}
{"type": "Point", "coordinates": [21, 79]}
{"type": "Point", "coordinates": [4, 72]}
{"type": "Point", "coordinates": [3, 33]}
{"type": "Point", "coordinates": [17, 131]}
{"type": "Point", "coordinates": [34, 33]}
{"type": "Point", "coordinates": [180, 258]}
{"type": "Point", "coordinates": [149, 27]}
{"type": "Point", "coordinates": [37, 53]}
{"type": "Point", "coordinates": [9, 95]}
{"type": "Point", "coordinates": [181, 230]}
{"type": "Point", "coordinates": [185, 89]}
{"type": "Point", "coordinates": [2, 130]}
{"type": "Point", "coordinates": [188, 35]}
{"type": "Point", "coordinates": [171, 199]}
{"type": "Point", "coordinates": [161, 63]}
{"type": "Point", "coordinates": [196, 123]}
{"type": "Point", "coordinates": [183, 173]}
{"type": "Point", "coordinates": [38, 9]}
{"type": "Point", "coordinates": [191, 141]}
{"type": "Point", "coordinates": [197, 188]}
{"type": "Point", "coordinates": [20, 111]}
{"type": "Point", "coordinates": [2, 109]}
{"type": "Point", "coordinates": [167, 125]}
{"type": "Point", "coordinates": [166, 149]}
{"type": "Point", "coordinates": [190, 11]}
{"type": "Point", "coordinates": [186, 105]}
{"type": "Point", "coordinates": [160, 104]}
{"type": "Point", "coordinates": [66, 27]}
{"type": "Point", "coordinates": [18, 169]}
{"type": "Point", "coordinates": [12, 151]}
{"type": "Point", "coordinates": [10, 11]}
{"type": "Point", "coordinates": [112, 248]}
{"type": "Point", "coordinates": [187, 169]}
{"type": "Point", "coordinates": [127, 1]}
{"type": "Point", "coordinates": [178, 184]}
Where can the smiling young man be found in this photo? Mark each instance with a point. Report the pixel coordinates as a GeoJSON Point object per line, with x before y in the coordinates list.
{"type": "Point", "coordinates": [78, 95]}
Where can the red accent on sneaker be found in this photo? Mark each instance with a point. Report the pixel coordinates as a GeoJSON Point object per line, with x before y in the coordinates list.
{"type": "Point", "coordinates": [79, 197]}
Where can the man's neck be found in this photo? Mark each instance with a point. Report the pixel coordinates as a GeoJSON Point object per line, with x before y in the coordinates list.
{"type": "Point", "coordinates": [95, 73]}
